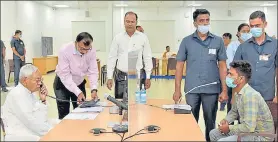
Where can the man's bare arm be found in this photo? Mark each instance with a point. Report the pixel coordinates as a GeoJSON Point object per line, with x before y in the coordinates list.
{"type": "Point", "coordinates": [223, 74]}
{"type": "Point", "coordinates": [178, 75]}
{"type": "Point", "coordinates": [15, 52]}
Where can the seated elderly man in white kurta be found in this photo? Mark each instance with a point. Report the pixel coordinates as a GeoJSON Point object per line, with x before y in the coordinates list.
{"type": "Point", "coordinates": [24, 116]}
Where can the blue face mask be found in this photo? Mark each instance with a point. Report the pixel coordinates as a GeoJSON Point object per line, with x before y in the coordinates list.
{"type": "Point", "coordinates": [245, 36]}
{"type": "Point", "coordinates": [203, 29]}
{"type": "Point", "coordinates": [230, 82]}
{"type": "Point", "coordinates": [256, 32]}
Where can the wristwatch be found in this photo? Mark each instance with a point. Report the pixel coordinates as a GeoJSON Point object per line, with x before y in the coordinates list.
{"type": "Point", "coordinates": [93, 90]}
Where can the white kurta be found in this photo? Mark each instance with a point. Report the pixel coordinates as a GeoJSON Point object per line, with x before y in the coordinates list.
{"type": "Point", "coordinates": [24, 116]}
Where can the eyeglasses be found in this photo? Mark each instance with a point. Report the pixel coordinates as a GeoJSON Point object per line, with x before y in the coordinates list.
{"type": "Point", "coordinates": [85, 49]}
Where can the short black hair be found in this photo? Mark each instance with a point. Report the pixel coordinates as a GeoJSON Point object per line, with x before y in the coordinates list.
{"type": "Point", "coordinates": [130, 12]}
{"type": "Point", "coordinates": [243, 68]}
{"type": "Point", "coordinates": [241, 26]}
{"type": "Point", "coordinates": [257, 14]}
{"type": "Point", "coordinates": [227, 35]}
{"type": "Point", "coordinates": [88, 39]}
{"type": "Point", "coordinates": [167, 46]}
{"type": "Point", "coordinates": [17, 32]}
{"type": "Point", "coordinates": [198, 12]}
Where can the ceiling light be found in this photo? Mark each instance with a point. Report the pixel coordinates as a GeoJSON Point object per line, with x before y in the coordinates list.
{"type": "Point", "coordinates": [121, 5]}
{"type": "Point", "coordinates": [195, 5]}
{"type": "Point", "coordinates": [61, 6]}
{"type": "Point", "coordinates": [268, 4]}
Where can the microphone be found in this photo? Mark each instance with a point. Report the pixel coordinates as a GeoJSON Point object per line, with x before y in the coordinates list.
{"type": "Point", "coordinates": [212, 83]}
{"type": "Point", "coordinates": [116, 102]}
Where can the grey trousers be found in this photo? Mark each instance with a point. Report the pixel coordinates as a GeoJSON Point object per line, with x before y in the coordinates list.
{"type": "Point", "coordinates": [17, 65]}
{"type": "Point", "coordinates": [210, 105]}
{"type": "Point", "coordinates": [216, 135]}
{"type": "Point", "coordinates": [3, 82]}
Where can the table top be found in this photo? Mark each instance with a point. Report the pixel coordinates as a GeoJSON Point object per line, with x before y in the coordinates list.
{"type": "Point", "coordinates": [174, 127]}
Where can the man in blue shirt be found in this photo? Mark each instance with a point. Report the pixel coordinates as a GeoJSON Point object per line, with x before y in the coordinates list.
{"type": "Point", "coordinates": [2, 59]}
{"type": "Point", "coordinates": [19, 52]}
{"type": "Point", "coordinates": [261, 51]}
{"type": "Point", "coordinates": [203, 53]}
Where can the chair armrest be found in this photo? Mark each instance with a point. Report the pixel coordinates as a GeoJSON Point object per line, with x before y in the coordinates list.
{"type": "Point", "coordinates": [269, 135]}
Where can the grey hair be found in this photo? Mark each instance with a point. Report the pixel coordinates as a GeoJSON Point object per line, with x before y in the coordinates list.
{"type": "Point", "coordinates": [257, 14]}
{"type": "Point", "coordinates": [27, 71]}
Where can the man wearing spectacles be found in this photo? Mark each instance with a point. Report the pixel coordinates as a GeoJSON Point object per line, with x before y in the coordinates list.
{"type": "Point", "coordinates": [75, 61]}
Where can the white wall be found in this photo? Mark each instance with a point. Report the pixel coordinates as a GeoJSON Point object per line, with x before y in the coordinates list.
{"type": "Point", "coordinates": [63, 27]}
{"type": "Point", "coordinates": [36, 20]}
{"type": "Point", "coordinates": [182, 17]}
{"type": "Point", "coordinates": [33, 19]}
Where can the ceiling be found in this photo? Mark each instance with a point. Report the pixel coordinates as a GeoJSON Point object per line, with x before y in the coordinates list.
{"type": "Point", "coordinates": [169, 4]}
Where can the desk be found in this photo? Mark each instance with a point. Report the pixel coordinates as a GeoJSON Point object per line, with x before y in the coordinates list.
{"type": "Point", "coordinates": [78, 130]}
{"type": "Point", "coordinates": [46, 64]}
{"type": "Point", "coordinates": [173, 127]}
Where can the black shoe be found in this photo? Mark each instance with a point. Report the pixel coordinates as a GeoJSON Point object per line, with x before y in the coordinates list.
{"type": "Point", "coordinates": [5, 89]}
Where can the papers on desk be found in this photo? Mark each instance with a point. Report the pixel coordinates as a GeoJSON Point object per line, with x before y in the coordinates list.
{"type": "Point", "coordinates": [180, 106]}
{"type": "Point", "coordinates": [81, 116]}
{"type": "Point", "coordinates": [102, 103]}
{"type": "Point", "coordinates": [88, 109]}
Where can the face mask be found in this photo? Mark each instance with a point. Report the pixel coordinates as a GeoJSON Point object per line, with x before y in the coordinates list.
{"type": "Point", "coordinates": [230, 82]}
{"type": "Point", "coordinates": [203, 29]}
{"type": "Point", "coordinates": [245, 36]}
{"type": "Point", "coordinates": [256, 32]}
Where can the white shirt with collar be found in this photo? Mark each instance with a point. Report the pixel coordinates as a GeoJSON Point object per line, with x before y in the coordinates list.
{"type": "Point", "coordinates": [127, 50]}
{"type": "Point", "coordinates": [24, 115]}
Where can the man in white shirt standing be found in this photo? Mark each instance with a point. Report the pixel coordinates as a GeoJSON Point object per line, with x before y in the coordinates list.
{"type": "Point", "coordinates": [24, 116]}
{"type": "Point", "coordinates": [125, 47]}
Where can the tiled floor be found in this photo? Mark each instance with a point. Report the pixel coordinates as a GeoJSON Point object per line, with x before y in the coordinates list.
{"type": "Point", "coordinates": [160, 88]}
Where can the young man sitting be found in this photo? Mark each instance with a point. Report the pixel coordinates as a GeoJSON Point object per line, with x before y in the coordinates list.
{"type": "Point", "coordinates": [253, 112]}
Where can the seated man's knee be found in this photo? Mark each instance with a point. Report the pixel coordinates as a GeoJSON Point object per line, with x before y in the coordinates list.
{"type": "Point", "coordinates": [213, 134]}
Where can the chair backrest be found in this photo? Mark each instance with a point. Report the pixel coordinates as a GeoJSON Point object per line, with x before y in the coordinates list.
{"type": "Point", "coordinates": [104, 68]}
{"type": "Point", "coordinates": [172, 63]}
{"type": "Point", "coordinates": [274, 112]}
{"type": "Point", "coordinates": [11, 65]}
{"type": "Point", "coordinates": [2, 123]}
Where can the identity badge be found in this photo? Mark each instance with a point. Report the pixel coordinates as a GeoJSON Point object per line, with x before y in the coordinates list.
{"type": "Point", "coordinates": [212, 51]}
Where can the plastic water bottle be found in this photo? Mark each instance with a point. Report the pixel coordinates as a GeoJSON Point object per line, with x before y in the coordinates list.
{"type": "Point", "coordinates": [143, 95]}
{"type": "Point", "coordinates": [137, 94]}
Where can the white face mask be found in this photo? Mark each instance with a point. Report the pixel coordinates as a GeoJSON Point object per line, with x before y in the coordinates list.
{"type": "Point", "coordinates": [203, 28]}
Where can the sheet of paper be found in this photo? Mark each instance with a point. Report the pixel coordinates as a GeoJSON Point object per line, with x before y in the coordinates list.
{"type": "Point", "coordinates": [88, 109]}
{"type": "Point", "coordinates": [102, 103]}
{"type": "Point", "coordinates": [181, 106]}
{"type": "Point", "coordinates": [81, 116]}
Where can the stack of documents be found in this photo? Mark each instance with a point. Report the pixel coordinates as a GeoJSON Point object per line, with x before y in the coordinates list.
{"type": "Point", "coordinates": [81, 116]}
{"type": "Point", "coordinates": [180, 106]}
{"type": "Point", "coordinates": [88, 109]}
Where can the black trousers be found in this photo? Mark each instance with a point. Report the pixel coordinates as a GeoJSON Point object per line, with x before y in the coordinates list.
{"type": "Point", "coordinates": [142, 78]}
{"type": "Point", "coordinates": [61, 92]}
{"type": "Point", "coordinates": [121, 81]}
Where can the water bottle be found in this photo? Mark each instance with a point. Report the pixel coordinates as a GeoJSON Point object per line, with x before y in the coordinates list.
{"type": "Point", "coordinates": [143, 95]}
{"type": "Point", "coordinates": [137, 94]}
